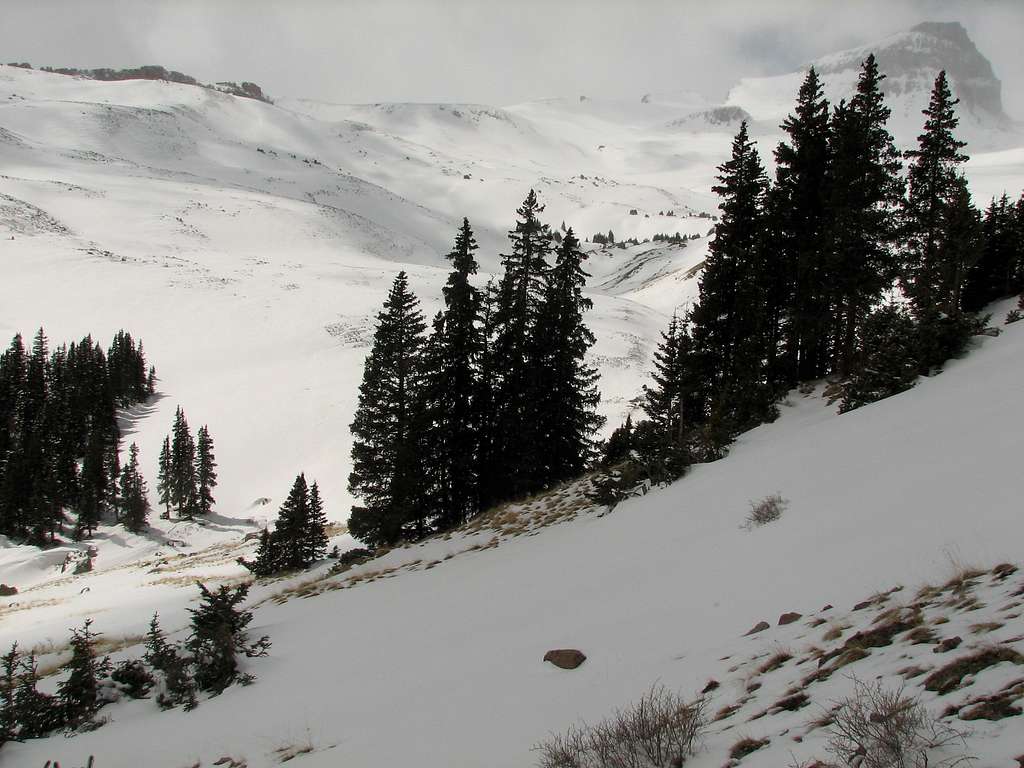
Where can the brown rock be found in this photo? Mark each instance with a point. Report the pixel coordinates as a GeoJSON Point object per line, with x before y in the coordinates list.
{"type": "Point", "coordinates": [862, 606]}
{"type": "Point", "coordinates": [789, 618]}
{"type": "Point", "coordinates": [6, 591]}
{"type": "Point", "coordinates": [565, 658]}
{"type": "Point", "coordinates": [761, 626]}
{"type": "Point", "coordinates": [948, 645]}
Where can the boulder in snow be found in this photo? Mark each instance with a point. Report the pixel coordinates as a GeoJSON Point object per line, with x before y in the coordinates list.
{"type": "Point", "coordinates": [565, 658]}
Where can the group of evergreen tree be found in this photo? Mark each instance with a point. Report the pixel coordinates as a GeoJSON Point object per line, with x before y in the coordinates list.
{"type": "Point", "coordinates": [59, 438]}
{"type": "Point", "coordinates": [187, 471]}
{"type": "Point", "coordinates": [495, 403]}
{"type": "Point", "coordinates": [299, 537]}
{"type": "Point", "coordinates": [802, 278]}
{"type": "Point", "coordinates": [206, 662]}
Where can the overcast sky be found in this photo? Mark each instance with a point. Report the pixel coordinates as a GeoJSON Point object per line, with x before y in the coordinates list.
{"type": "Point", "coordinates": [489, 51]}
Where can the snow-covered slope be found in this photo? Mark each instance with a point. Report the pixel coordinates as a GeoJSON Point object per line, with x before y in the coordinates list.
{"type": "Point", "coordinates": [432, 654]}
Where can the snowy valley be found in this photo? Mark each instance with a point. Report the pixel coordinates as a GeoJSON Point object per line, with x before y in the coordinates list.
{"type": "Point", "coordinates": [250, 246]}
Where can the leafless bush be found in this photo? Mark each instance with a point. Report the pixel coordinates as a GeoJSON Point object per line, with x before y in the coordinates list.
{"type": "Point", "coordinates": [767, 510]}
{"type": "Point", "coordinates": [886, 728]}
{"type": "Point", "coordinates": [658, 731]}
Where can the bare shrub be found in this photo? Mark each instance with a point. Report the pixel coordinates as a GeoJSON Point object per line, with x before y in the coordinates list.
{"type": "Point", "coordinates": [767, 510]}
{"type": "Point", "coordinates": [889, 729]}
{"type": "Point", "coordinates": [658, 731]}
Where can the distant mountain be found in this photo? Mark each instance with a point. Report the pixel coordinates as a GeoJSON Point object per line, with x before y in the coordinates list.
{"type": "Point", "coordinates": [910, 60]}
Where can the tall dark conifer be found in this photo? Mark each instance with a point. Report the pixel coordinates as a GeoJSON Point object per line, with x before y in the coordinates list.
{"type": "Point", "coordinates": [452, 381]}
{"type": "Point", "coordinates": [387, 465]}
{"type": "Point", "coordinates": [567, 396]}
{"type": "Point", "coordinates": [516, 383]}
{"type": "Point", "coordinates": [728, 322]}
{"type": "Point", "coordinates": [798, 299]}
{"type": "Point", "coordinates": [206, 471]}
{"type": "Point", "coordinates": [866, 192]}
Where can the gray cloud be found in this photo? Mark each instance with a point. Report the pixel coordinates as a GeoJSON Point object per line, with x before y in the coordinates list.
{"type": "Point", "coordinates": [488, 51]}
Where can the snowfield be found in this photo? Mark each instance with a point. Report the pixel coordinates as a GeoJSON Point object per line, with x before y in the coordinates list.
{"type": "Point", "coordinates": [250, 246]}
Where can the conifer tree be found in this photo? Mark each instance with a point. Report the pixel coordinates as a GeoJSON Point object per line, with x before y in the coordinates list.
{"type": "Point", "coordinates": [8, 687]}
{"type": "Point", "coordinates": [673, 404]}
{"type": "Point", "coordinates": [219, 636]}
{"type": "Point", "coordinates": [292, 533]}
{"type": "Point", "coordinates": [489, 489]}
{"type": "Point", "coordinates": [866, 193]}
{"type": "Point", "coordinates": [887, 362]}
{"type": "Point", "coordinates": [79, 692]}
{"type": "Point", "coordinates": [315, 539]}
{"type": "Point", "coordinates": [995, 274]}
{"type": "Point", "coordinates": [39, 714]}
{"type": "Point", "coordinates": [387, 465]}
{"type": "Point", "coordinates": [567, 395]}
{"type": "Point", "coordinates": [939, 225]}
{"type": "Point", "coordinates": [516, 436]}
{"type": "Point", "coordinates": [797, 299]}
{"type": "Point", "coordinates": [164, 481]}
{"type": "Point", "coordinates": [619, 444]}
{"type": "Point", "coordinates": [183, 468]}
{"type": "Point", "coordinates": [206, 471]}
{"type": "Point", "coordinates": [728, 322]}
{"type": "Point", "coordinates": [134, 493]}
{"type": "Point", "coordinates": [452, 366]}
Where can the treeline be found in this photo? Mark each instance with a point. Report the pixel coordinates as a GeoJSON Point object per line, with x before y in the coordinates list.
{"type": "Point", "coordinates": [207, 661]}
{"type": "Point", "coordinates": [840, 269]}
{"type": "Point", "coordinates": [59, 438]}
{"type": "Point", "coordinates": [494, 403]}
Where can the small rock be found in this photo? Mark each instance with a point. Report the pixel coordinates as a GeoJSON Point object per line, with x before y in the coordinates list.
{"type": "Point", "coordinates": [789, 618]}
{"type": "Point", "coordinates": [565, 658]}
{"type": "Point", "coordinates": [6, 591]}
{"type": "Point", "coordinates": [761, 626]}
{"type": "Point", "coordinates": [826, 608]}
{"type": "Point", "coordinates": [862, 606]}
{"type": "Point", "coordinates": [948, 645]}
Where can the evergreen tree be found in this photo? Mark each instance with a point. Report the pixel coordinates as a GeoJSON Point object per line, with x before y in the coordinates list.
{"type": "Point", "coordinates": [206, 471]}
{"type": "Point", "coordinates": [728, 322]}
{"type": "Point", "coordinates": [387, 465]}
{"type": "Point", "coordinates": [38, 713]}
{"type": "Point", "coordinates": [164, 478]}
{"type": "Point", "coordinates": [486, 465]}
{"type": "Point", "coordinates": [452, 365]}
{"type": "Point", "coordinates": [267, 561]}
{"type": "Point", "coordinates": [315, 538]}
{"type": "Point", "coordinates": [939, 227]}
{"type": "Point", "coordinates": [797, 299]}
{"type": "Point", "coordinates": [866, 193]}
{"type": "Point", "coordinates": [619, 444]}
{"type": "Point", "coordinates": [673, 402]}
{"type": "Point", "coordinates": [219, 635]}
{"type": "Point", "coordinates": [134, 494]}
{"type": "Point", "coordinates": [995, 274]}
{"type": "Point", "coordinates": [567, 396]}
{"type": "Point", "coordinates": [516, 437]}
{"type": "Point", "coordinates": [8, 687]}
{"type": "Point", "coordinates": [887, 363]}
{"type": "Point", "coordinates": [79, 693]}
{"type": "Point", "coordinates": [292, 532]}
{"type": "Point", "coordinates": [183, 490]}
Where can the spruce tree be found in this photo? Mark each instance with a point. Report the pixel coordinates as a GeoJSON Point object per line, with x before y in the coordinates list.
{"type": "Point", "coordinates": [619, 444]}
{"type": "Point", "coordinates": [728, 322]}
{"type": "Point", "coordinates": [8, 687]}
{"type": "Point", "coordinates": [183, 468]}
{"type": "Point", "coordinates": [567, 395]}
{"type": "Point", "coordinates": [206, 471]}
{"type": "Point", "coordinates": [673, 404]}
{"type": "Point", "coordinates": [315, 538]}
{"type": "Point", "coordinates": [219, 636]}
{"type": "Point", "coordinates": [452, 368]}
{"type": "Point", "coordinates": [866, 192]}
{"type": "Point", "coordinates": [887, 362]}
{"type": "Point", "coordinates": [39, 714]}
{"type": "Point", "coordinates": [995, 274]}
{"type": "Point", "coordinates": [292, 533]}
{"type": "Point", "coordinates": [164, 478]}
{"type": "Point", "coordinates": [938, 227]}
{"type": "Point", "coordinates": [134, 493]}
{"type": "Point", "coordinates": [79, 692]}
{"type": "Point", "coordinates": [515, 440]}
{"type": "Point", "coordinates": [797, 299]}
{"type": "Point", "coordinates": [387, 461]}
